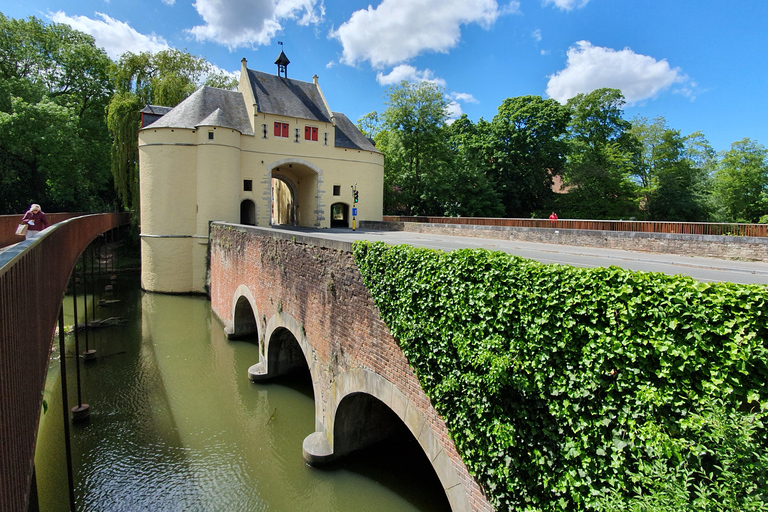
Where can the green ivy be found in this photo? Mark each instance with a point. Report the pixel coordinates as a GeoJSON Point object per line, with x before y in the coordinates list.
{"type": "Point", "coordinates": [559, 384]}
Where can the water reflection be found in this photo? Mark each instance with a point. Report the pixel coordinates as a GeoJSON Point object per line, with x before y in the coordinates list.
{"type": "Point", "coordinates": [176, 425]}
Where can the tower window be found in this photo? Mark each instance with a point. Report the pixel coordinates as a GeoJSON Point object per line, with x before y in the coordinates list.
{"type": "Point", "coordinates": [263, 131]}
{"type": "Point", "coordinates": [210, 135]}
{"type": "Point", "coordinates": [337, 190]}
{"type": "Point", "coordinates": [296, 137]}
{"type": "Point", "coordinates": [248, 185]}
{"type": "Point", "coordinates": [326, 139]}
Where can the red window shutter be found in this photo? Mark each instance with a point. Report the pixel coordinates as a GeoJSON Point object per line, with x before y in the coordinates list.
{"type": "Point", "coordinates": [277, 129]}
{"type": "Point", "coordinates": [285, 130]}
{"type": "Point", "coordinates": [314, 133]}
{"type": "Point", "coordinates": [307, 133]}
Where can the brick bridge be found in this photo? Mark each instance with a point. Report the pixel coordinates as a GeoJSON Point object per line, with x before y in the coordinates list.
{"type": "Point", "coordinates": [305, 300]}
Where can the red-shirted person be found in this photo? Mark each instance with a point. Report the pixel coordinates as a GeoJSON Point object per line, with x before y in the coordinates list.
{"type": "Point", "coordinates": [552, 217]}
{"type": "Point", "coordinates": [36, 220]}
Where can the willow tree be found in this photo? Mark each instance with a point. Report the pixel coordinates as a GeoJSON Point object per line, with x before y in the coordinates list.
{"type": "Point", "coordinates": [164, 78]}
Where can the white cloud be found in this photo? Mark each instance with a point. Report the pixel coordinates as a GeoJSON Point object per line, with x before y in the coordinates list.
{"type": "Point", "coordinates": [217, 70]}
{"type": "Point", "coordinates": [240, 23]}
{"type": "Point", "coordinates": [591, 67]}
{"type": "Point", "coordinates": [398, 30]}
{"type": "Point", "coordinates": [116, 37]}
{"type": "Point", "coordinates": [536, 34]}
{"type": "Point", "coordinates": [463, 96]}
{"type": "Point", "coordinates": [567, 5]}
{"type": "Point", "coordinates": [409, 74]}
{"type": "Point", "coordinates": [169, 2]}
{"type": "Point", "coordinates": [453, 111]}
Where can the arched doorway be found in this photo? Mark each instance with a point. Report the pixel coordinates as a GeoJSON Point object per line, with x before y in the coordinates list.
{"type": "Point", "coordinates": [295, 194]}
{"type": "Point", "coordinates": [248, 213]}
{"type": "Point", "coordinates": [283, 203]}
{"type": "Point", "coordinates": [339, 215]}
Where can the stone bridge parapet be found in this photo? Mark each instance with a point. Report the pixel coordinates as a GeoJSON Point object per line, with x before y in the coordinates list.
{"type": "Point", "coordinates": [305, 299]}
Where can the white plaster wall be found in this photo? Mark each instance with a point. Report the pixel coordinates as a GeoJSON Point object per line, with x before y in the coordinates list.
{"type": "Point", "coordinates": [168, 188]}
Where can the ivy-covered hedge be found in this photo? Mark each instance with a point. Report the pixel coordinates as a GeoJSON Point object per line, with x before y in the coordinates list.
{"type": "Point", "coordinates": [562, 386]}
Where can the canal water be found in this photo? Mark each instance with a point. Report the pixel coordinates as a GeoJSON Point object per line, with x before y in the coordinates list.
{"type": "Point", "coordinates": [176, 425]}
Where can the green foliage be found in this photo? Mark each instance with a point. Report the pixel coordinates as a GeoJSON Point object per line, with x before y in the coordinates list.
{"type": "Point", "coordinates": [679, 191]}
{"type": "Point", "coordinates": [525, 146]}
{"type": "Point", "coordinates": [164, 78]}
{"type": "Point", "coordinates": [601, 158]}
{"type": "Point", "coordinates": [471, 190]}
{"type": "Point", "coordinates": [717, 465]}
{"type": "Point", "coordinates": [741, 181]}
{"type": "Point", "coordinates": [54, 84]}
{"type": "Point", "coordinates": [673, 172]}
{"type": "Point", "coordinates": [561, 385]}
{"type": "Point", "coordinates": [413, 140]}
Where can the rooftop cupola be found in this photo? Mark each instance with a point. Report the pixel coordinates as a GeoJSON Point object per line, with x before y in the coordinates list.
{"type": "Point", "coordinates": [282, 63]}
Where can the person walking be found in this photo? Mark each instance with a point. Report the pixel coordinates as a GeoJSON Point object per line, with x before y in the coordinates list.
{"type": "Point", "coordinates": [36, 220]}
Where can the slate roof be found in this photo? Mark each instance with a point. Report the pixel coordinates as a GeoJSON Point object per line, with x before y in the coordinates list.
{"type": "Point", "coordinates": [156, 110]}
{"type": "Point", "coordinates": [207, 107]}
{"type": "Point", "coordinates": [151, 113]}
{"type": "Point", "coordinates": [287, 97]}
{"type": "Point", "coordinates": [348, 136]}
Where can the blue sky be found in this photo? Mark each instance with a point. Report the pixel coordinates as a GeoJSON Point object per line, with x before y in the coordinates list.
{"type": "Point", "coordinates": [700, 64]}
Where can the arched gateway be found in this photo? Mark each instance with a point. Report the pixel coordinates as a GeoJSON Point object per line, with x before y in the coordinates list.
{"type": "Point", "coordinates": [272, 152]}
{"type": "Point", "coordinates": [313, 313]}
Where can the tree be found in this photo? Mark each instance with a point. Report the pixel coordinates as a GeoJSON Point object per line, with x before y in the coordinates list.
{"type": "Point", "coordinates": [164, 78]}
{"type": "Point", "coordinates": [672, 172]}
{"type": "Point", "coordinates": [648, 135]}
{"type": "Point", "coordinates": [471, 190]}
{"type": "Point", "coordinates": [413, 141]}
{"type": "Point", "coordinates": [677, 192]}
{"type": "Point", "coordinates": [741, 181]}
{"type": "Point", "coordinates": [601, 157]}
{"type": "Point", "coordinates": [54, 85]}
{"type": "Point", "coordinates": [525, 147]}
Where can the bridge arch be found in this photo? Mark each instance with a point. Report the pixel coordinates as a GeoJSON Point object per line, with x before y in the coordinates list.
{"type": "Point", "coordinates": [277, 353]}
{"type": "Point", "coordinates": [245, 314]}
{"type": "Point", "coordinates": [341, 433]}
{"type": "Point", "coordinates": [312, 298]}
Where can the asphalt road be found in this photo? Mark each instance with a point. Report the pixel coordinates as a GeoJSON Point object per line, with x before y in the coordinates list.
{"type": "Point", "coordinates": [702, 269]}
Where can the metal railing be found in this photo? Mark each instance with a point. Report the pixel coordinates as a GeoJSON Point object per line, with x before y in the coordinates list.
{"type": "Point", "coordinates": [688, 228]}
{"type": "Point", "coordinates": [33, 278]}
{"type": "Point", "coordinates": [8, 225]}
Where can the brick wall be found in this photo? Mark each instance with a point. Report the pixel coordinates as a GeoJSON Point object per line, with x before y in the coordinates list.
{"type": "Point", "coordinates": [321, 288]}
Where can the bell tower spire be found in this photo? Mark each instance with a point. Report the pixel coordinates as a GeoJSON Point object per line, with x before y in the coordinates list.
{"type": "Point", "coordinates": [282, 62]}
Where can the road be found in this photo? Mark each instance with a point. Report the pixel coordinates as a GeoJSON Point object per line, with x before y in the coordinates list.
{"type": "Point", "coordinates": [701, 269]}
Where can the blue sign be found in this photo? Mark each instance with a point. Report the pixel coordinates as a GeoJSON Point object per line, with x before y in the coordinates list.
{"type": "Point", "coordinates": [354, 212]}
